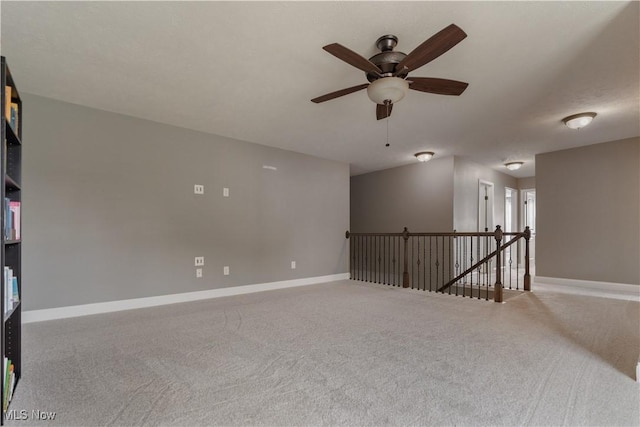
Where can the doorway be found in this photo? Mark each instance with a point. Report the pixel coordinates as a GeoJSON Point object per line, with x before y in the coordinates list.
{"type": "Point", "coordinates": [510, 222]}
{"type": "Point", "coordinates": [529, 218]}
{"type": "Point", "coordinates": [485, 206]}
{"type": "Point", "coordinates": [485, 221]}
{"type": "Point", "coordinates": [510, 209]}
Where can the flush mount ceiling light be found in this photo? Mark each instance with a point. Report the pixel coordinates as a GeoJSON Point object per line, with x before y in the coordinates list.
{"type": "Point", "coordinates": [514, 166]}
{"type": "Point", "coordinates": [424, 156]}
{"type": "Point", "coordinates": [390, 89]}
{"type": "Point", "coordinates": [578, 121]}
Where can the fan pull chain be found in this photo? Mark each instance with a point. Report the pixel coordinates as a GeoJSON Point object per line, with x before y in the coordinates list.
{"type": "Point", "coordinates": [387, 105]}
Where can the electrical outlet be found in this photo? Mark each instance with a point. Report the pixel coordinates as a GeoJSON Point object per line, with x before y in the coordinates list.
{"type": "Point", "coordinates": [198, 189]}
{"type": "Point", "coordinates": [226, 270]}
{"type": "Point", "coordinates": [225, 192]}
{"type": "Point", "coordinates": [199, 261]}
{"type": "Point", "coordinates": [198, 273]}
{"type": "Point", "coordinates": [293, 265]}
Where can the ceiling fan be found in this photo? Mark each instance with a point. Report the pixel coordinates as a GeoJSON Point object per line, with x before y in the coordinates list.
{"type": "Point", "coordinates": [388, 70]}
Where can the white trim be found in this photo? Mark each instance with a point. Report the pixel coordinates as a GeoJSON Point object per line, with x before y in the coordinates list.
{"type": "Point", "coordinates": [128, 304]}
{"type": "Point", "coordinates": [588, 287]}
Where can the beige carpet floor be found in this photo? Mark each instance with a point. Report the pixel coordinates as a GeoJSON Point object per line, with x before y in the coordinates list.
{"type": "Point", "coordinates": [341, 353]}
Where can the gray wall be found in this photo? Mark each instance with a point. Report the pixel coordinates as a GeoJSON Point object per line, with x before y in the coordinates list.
{"type": "Point", "coordinates": [440, 195]}
{"type": "Point", "coordinates": [418, 196]}
{"type": "Point", "coordinates": [109, 210]}
{"type": "Point", "coordinates": [588, 212]}
{"type": "Point", "coordinates": [526, 183]}
{"type": "Point", "coordinates": [465, 205]}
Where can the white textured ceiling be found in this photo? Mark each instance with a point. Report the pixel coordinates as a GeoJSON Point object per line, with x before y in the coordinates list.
{"type": "Point", "coordinates": [247, 70]}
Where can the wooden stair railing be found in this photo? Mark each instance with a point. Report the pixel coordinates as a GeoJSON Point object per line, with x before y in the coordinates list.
{"type": "Point", "coordinates": [375, 257]}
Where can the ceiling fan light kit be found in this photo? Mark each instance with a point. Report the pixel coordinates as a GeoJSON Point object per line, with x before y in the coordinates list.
{"type": "Point", "coordinates": [514, 166]}
{"type": "Point", "coordinates": [388, 70]}
{"type": "Point", "coordinates": [391, 89]}
{"type": "Point", "coordinates": [424, 156]}
{"type": "Point", "coordinates": [578, 121]}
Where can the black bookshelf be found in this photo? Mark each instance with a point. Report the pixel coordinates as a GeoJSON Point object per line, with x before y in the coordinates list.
{"type": "Point", "coordinates": [11, 247]}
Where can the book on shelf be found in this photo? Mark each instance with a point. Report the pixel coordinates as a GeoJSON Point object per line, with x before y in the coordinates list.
{"type": "Point", "coordinates": [12, 384]}
{"type": "Point", "coordinates": [13, 121]}
{"type": "Point", "coordinates": [11, 109]}
{"type": "Point", "coordinates": [11, 293]}
{"type": "Point", "coordinates": [7, 102]}
{"type": "Point", "coordinates": [11, 219]}
{"type": "Point", "coordinates": [6, 363]}
{"type": "Point", "coordinates": [14, 289]}
{"type": "Point", "coordinates": [8, 224]}
{"type": "Point", "coordinates": [14, 207]}
{"type": "Point", "coordinates": [9, 382]}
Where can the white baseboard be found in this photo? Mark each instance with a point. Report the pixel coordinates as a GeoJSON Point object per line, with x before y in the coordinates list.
{"type": "Point", "coordinates": [128, 304]}
{"type": "Point", "coordinates": [587, 287]}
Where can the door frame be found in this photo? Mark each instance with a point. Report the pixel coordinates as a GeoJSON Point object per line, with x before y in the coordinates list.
{"type": "Point", "coordinates": [523, 219]}
{"type": "Point", "coordinates": [515, 206]}
{"type": "Point", "coordinates": [523, 211]}
{"type": "Point", "coordinates": [491, 190]}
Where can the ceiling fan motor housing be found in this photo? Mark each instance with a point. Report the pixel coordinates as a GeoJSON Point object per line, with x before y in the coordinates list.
{"type": "Point", "coordinates": [387, 42]}
{"type": "Point", "coordinates": [387, 59]}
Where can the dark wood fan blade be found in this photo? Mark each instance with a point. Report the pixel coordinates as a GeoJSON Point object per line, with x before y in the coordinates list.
{"type": "Point", "coordinates": [339, 93]}
{"type": "Point", "coordinates": [432, 48]}
{"type": "Point", "coordinates": [352, 58]}
{"type": "Point", "coordinates": [383, 111]}
{"type": "Point", "coordinates": [439, 86]}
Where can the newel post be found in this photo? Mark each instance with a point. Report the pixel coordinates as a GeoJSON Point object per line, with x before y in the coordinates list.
{"type": "Point", "coordinates": [405, 274]}
{"type": "Point", "coordinates": [497, 289]}
{"type": "Point", "coordinates": [527, 276]}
